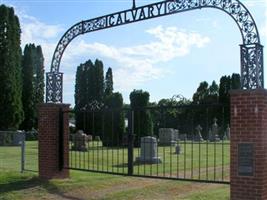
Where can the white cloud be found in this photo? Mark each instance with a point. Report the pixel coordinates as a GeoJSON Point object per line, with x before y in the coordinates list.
{"type": "Point", "coordinates": [138, 64]}
{"type": "Point", "coordinates": [252, 3]}
{"type": "Point", "coordinates": [134, 65]}
{"type": "Point", "coordinates": [35, 31]}
{"type": "Point", "coordinates": [264, 27]}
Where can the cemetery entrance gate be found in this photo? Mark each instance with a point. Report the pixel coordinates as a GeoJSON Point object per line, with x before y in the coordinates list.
{"type": "Point", "coordinates": [200, 138]}
{"type": "Point", "coordinates": [188, 142]}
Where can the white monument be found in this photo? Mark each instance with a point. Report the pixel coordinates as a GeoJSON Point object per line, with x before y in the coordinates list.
{"type": "Point", "coordinates": [148, 151]}
{"type": "Point", "coordinates": [167, 136]}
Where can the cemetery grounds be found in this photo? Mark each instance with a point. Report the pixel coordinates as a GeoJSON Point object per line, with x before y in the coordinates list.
{"type": "Point", "coordinates": [89, 185]}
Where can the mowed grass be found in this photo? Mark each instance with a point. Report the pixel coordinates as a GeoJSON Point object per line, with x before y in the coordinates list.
{"type": "Point", "coordinates": [10, 157]}
{"type": "Point", "coordinates": [87, 185]}
{"type": "Point", "coordinates": [197, 160]}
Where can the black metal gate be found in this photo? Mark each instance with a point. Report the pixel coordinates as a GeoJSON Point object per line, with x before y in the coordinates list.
{"type": "Point", "coordinates": [172, 142]}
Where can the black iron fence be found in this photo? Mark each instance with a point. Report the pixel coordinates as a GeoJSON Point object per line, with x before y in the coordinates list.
{"type": "Point", "coordinates": [175, 142]}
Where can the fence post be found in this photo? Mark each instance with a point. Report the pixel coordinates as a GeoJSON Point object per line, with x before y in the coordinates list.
{"type": "Point", "coordinates": [248, 172]}
{"type": "Point", "coordinates": [53, 137]}
{"type": "Point", "coordinates": [130, 141]}
{"type": "Point", "coordinates": [23, 152]}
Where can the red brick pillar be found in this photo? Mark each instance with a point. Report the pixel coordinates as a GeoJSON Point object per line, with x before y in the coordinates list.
{"type": "Point", "coordinates": [249, 144]}
{"type": "Point", "coordinates": [53, 136]}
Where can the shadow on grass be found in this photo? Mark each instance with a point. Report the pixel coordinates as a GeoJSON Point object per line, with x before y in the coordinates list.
{"type": "Point", "coordinates": [34, 182]}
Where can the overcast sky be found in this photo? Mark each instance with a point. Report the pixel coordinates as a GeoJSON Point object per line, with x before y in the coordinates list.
{"type": "Point", "coordinates": [164, 56]}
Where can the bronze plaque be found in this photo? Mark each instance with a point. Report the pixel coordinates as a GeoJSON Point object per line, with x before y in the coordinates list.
{"type": "Point", "coordinates": [245, 159]}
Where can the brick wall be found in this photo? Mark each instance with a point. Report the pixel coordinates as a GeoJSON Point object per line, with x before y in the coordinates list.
{"type": "Point", "coordinates": [48, 136]}
{"type": "Point", "coordinates": [249, 125]}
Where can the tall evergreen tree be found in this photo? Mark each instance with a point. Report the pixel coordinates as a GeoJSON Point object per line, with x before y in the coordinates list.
{"type": "Point", "coordinates": [39, 76]}
{"type": "Point", "coordinates": [228, 83]}
{"type": "Point", "coordinates": [202, 93]}
{"type": "Point", "coordinates": [81, 95]}
{"type": "Point", "coordinates": [98, 81]}
{"type": "Point", "coordinates": [213, 96]}
{"type": "Point", "coordinates": [32, 84]}
{"type": "Point", "coordinates": [27, 87]}
{"type": "Point", "coordinates": [114, 120]}
{"type": "Point", "coordinates": [89, 96]}
{"type": "Point", "coordinates": [108, 82]}
{"type": "Point", "coordinates": [235, 81]}
{"type": "Point", "coordinates": [143, 125]}
{"type": "Point", "coordinates": [11, 113]}
{"type": "Point", "coordinates": [224, 87]}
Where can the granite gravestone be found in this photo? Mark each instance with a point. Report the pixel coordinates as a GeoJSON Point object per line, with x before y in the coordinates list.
{"type": "Point", "coordinates": [177, 149]}
{"type": "Point", "coordinates": [167, 136]}
{"type": "Point", "coordinates": [176, 134]}
{"type": "Point", "coordinates": [148, 151]}
{"type": "Point", "coordinates": [182, 137]}
{"type": "Point", "coordinates": [79, 141]}
{"type": "Point", "coordinates": [198, 136]}
{"type": "Point", "coordinates": [213, 134]}
{"type": "Point", "coordinates": [18, 137]}
{"type": "Point", "coordinates": [228, 132]}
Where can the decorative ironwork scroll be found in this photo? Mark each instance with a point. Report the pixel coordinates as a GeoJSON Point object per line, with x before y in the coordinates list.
{"type": "Point", "coordinates": [54, 87]}
{"type": "Point", "coordinates": [251, 66]}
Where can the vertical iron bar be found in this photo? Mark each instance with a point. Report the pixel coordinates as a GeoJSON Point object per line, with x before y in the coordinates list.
{"type": "Point", "coordinates": [177, 157]}
{"type": "Point", "coordinates": [171, 160]}
{"type": "Point", "coordinates": [70, 150]}
{"type": "Point", "coordinates": [192, 145]}
{"type": "Point", "coordinates": [93, 146]}
{"type": "Point", "coordinates": [103, 138]}
{"type": "Point", "coordinates": [151, 151]}
{"type": "Point", "coordinates": [145, 142]}
{"type": "Point", "coordinates": [97, 144]}
{"type": "Point", "coordinates": [138, 140]}
{"type": "Point", "coordinates": [164, 122]}
{"type": "Point", "coordinates": [22, 152]}
{"type": "Point", "coordinates": [130, 141]}
{"type": "Point", "coordinates": [118, 147]}
{"type": "Point", "coordinates": [112, 142]}
{"type": "Point", "coordinates": [223, 122]}
{"type": "Point", "coordinates": [199, 157]}
{"type": "Point", "coordinates": [215, 160]}
{"type": "Point", "coordinates": [185, 156]}
{"type": "Point", "coordinates": [207, 145]}
{"type": "Point", "coordinates": [123, 145]}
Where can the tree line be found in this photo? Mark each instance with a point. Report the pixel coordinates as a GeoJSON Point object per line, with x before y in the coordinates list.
{"type": "Point", "coordinates": [208, 102]}
{"type": "Point", "coordinates": [21, 75]}
{"type": "Point", "coordinates": [101, 112]}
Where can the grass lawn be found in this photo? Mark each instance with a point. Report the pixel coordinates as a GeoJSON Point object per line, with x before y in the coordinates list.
{"type": "Point", "coordinates": [87, 185]}
{"type": "Point", "coordinates": [209, 161]}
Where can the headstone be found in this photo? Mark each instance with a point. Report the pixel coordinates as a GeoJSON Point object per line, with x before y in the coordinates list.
{"type": "Point", "coordinates": [198, 136]}
{"type": "Point", "coordinates": [167, 136]}
{"type": "Point", "coordinates": [148, 151]}
{"type": "Point", "coordinates": [182, 136]}
{"type": "Point", "coordinates": [176, 134]}
{"type": "Point", "coordinates": [90, 138]}
{"type": "Point", "coordinates": [97, 138]}
{"type": "Point", "coordinates": [177, 149]}
{"type": "Point", "coordinates": [228, 130]}
{"type": "Point", "coordinates": [79, 141]}
{"type": "Point", "coordinates": [213, 136]}
{"type": "Point", "coordinates": [2, 138]}
{"type": "Point", "coordinates": [18, 137]}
